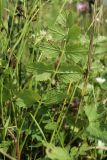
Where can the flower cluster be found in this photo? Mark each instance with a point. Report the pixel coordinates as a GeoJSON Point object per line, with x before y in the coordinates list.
{"type": "Point", "coordinates": [82, 7]}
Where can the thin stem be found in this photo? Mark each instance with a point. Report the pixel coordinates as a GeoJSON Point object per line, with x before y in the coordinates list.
{"type": "Point", "coordinates": [61, 116]}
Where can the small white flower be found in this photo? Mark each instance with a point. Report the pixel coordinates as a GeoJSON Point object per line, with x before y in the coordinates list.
{"type": "Point", "coordinates": [97, 19]}
{"type": "Point", "coordinates": [32, 36]}
{"type": "Point", "coordinates": [43, 33]}
{"type": "Point", "coordinates": [101, 143]}
{"type": "Point", "coordinates": [100, 80]}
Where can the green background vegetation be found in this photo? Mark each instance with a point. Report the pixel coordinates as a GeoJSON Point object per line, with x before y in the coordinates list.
{"type": "Point", "coordinates": [52, 105]}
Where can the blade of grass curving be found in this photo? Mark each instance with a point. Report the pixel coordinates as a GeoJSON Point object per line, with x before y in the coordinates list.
{"type": "Point", "coordinates": [40, 129]}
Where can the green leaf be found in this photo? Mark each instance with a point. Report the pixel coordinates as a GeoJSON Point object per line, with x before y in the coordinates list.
{"type": "Point", "coordinates": [69, 72]}
{"type": "Point", "coordinates": [66, 78]}
{"type": "Point", "coordinates": [104, 85]}
{"type": "Point", "coordinates": [27, 98]}
{"type": "Point", "coordinates": [57, 153]}
{"type": "Point", "coordinates": [71, 19]}
{"type": "Point", "coordinates": [41, 71]}
{"type": "Point", "coordinates": [5, 94]}
{"type": "Point", "coordinates": [100, 49]}
{"type": "Point", "coordinates": [40, 68]}
{"type": "Point", "coordinates": [76, 52]}
{"type": "Point", "coordinates": [49, 52]}
{"type": "Point", "coordinates": [100, 39]}
{"type": "Point", "coordinates": [96, 130]}
{"type": "Point", "coordinates": [74, 153]}
{"type": "Point", "coordinates": [54, 96]}
{"type": "Point", "coordinates": [2, 6]}
{"type": "Point", "coordinates": [69, 68]}
{"type": "Point", "coordinates": [43, 77]}
{"type": "Point", "coordinates": [37, 137]}
{"type": "Point", "coordinates": [5, 145]}
{"type": "Point", "coordinates": [91, 113]}
{"type": "Point", "coordinates": [96, 127]}
{"type": "Point", "coordinates": [74, 33]}
{"type": "Point", "coordinates": [83, 149]}
{"type": "Point", "coordinates": [51, 126]}
{"type": "Point", "coordinates": [20, 102]}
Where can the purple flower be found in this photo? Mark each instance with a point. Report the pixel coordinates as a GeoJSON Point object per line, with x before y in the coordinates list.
{"type": "Point", "coordinates": [82, 7]}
